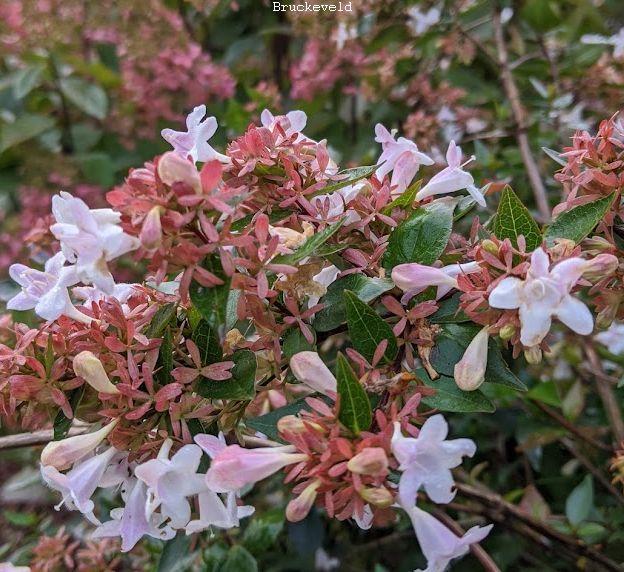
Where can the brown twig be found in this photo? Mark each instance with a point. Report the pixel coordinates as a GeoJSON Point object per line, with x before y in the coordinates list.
{"type": "Point", "coordinates": [605, 391]}
{"type": "Point", "coordinates": [37, 437]}
{"type": "Point", "coordinates": [520, 118]}
{"type": "Point", "coordinates": [477, 550]}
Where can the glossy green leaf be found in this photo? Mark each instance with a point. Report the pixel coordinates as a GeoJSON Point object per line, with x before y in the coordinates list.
{"type": "Point", "coordinates": [423, 236]}
{"type": "Point", "coordinates": [334, 312]}
{"type": "Point", "coordinates": [311, 247]}
{"type": "Point", "coordinates": [212, 303]}
{"type": "Point", "coordinates": [26, 80]}
{"type": "Point", "coordinates": [514, 219]}
{"type": "Point", "coordinates": [580, 502]}
{"type": "Point", "coordinates": [165, 362]}
{"type": "Point", "coordinates": [367, 329]}
{"type": "Point", "coordinates": [350, 176]}
{"type": "Point", "coordinates": [25, 127]}
{"type": "Point", "coordinates": [355, 408]}
{"type": "Point", "coordinates": [449, 397]}
{"type": "Point", "coordinates": [239, 560]}
{"type": "Point", "coordinates": [175, 554]}
{"type": "Point", "coordinates": [62, 423]}
{"type": "Point", "coordinates": [207, 341]}
{"type": "Point", "coordinates": [161, 319]}
{"type": "Point", "coordinates": [449, 312]}
{"type": "Point", "coordinates": [578, 222]}
{"type": "Point", "coordinates": [295, 342]}
{"type": "Point", "coordinates": [267, 424]}
{"type": "Point", "coordinates": [240, 386]}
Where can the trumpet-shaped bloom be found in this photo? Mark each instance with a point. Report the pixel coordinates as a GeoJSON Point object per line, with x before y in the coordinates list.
{"type": "Point", "coordinates": [64, 453]}
{"type": "Point", "coordinates": [469, 371]}
{"type": "Point", "coordinates": [452, 178]}
{"type": "Point", "coordinates": [338, 200]}
{"type": "Point", "coordinates": [613, 338]}
{"type": "Point", "coordinates": [90, 368]}
{"type": "Point", "coordinates": [46, 291]}
{"type": "Point", "coordinates": [131, 521]}
{"type": "Point", "coordinates": [439, 544]}
{"type": "Point", "coordinates": [401, 156]}
{"type": "Point", "coordinates": [426, 461]}
{"type": "Point", "coordinates": [90, 238]}
{"type": "Point", "coordinates": [193, 142]}
{"type": "Point", "coordinates": [309, 368]}
{"type": "Point", "coordinates": [233, 467]}
{"type": "Point", "coordinates": [214, 511]}
{"type": "Point", "coordinates": [414, 278]}
{"type": "Point", "coordinates": [545, 294]}
{"type": "Point", "coordinates": [79, 484]}
{"type": "Point", "coordinates": [171, 481]}
{"type": "Point", "coordinates": [292, 123]}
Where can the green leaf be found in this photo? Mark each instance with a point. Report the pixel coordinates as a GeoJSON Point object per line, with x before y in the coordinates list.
{"type": "Point", "coordinates": [334, 312]}
{"type": "Point", "coordinates": [274, 216]}
{"type": "Point", "coordinates": [311, 246]}
{"type": "Point", "coordinates": [25, 127]}
{"type": "Point", "coordinates": [97, 168]}
{"type": "Point", "coordinates": [578, 222]}
{"type": "Point", "coordinates": [351, 176]}
{"type": "Point", "coordinates": [212, 302]}
{"type": "Point", "coordinates": [25, 80]}
{"type": "Point", "coordinates": [62, 423]}
{"type": "Point", "coordinates": [450, 346]}
{"type": "Point", "coordinates": [449, 397]}
{"type": "Point", "coordinates": [546, 392]}
{"type": "Point", "coordinates": [88, 97]}
{"type": "Point", "coordinates": [175, 555]}
{"type": "Point", "coordinates": [207, 341]}
{"type": "Point", "coordinates": [367, 329]}
{"type": "Point", "coordinates": [580, 502]}
{"type": "Point", "coordinates": [239, 560]}
{"type": "Point", "coordinates": [162, 318]}
{"type": "Point", "coordinates": [449, 312]}
{"type": "Point", "coordinates": [404, 200]}
{"type": "Point", "coordinates": [267, 423]}
{"type": "Point", "coordinates": [240, 386]}
{"type": "Point", "coordinates": [514, 219]}
{"type": "Point", "coordinates": [423, 236]}
{"type": "Point", "coordinates": [295, 342]}
{"type": "Point", "coordinates": [165, 363]}
{"type": "Point", "coordinates": [262, 532]}
{"type": "Point", "coordinates": [355, 408]}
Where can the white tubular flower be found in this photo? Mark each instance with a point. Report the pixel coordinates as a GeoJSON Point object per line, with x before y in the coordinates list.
{"type": "Point", "coordinates": [310, 369]}
{"type": "Point", "coordinates": [90, 238]}
{"type": "Point", "coordinates": [193, 142]}
{"type": "Point", "coordinates": [469, 371]}
{"type": "Point", "coordinates": [90, 368]}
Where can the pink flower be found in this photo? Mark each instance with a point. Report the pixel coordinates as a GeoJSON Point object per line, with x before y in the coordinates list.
{"type": "Point", "coordinates": [426, 461]}
{"type": "Point", "coordinates": [213, 511]}
{"type": "Point", "coordinates": [292, 123]}
{"type": "Point", "coordinates": [414, 278]}
{"type": "Point", "coordinates": [151, 231]}
{"type": "Point", "coordinates": [545, 294]}
{"type": "Point", "coordinates": [193, 142]}
{"type": "Point", "coordinates": [452, 178]}
{"type": "Point", "coordinates": [234, 467]}
{"type": "Point", "coordinates": [401, 156]}
{"type": "Point", "coordinates": [310, 369]}
{"type": "Point", "coordinates": [469, 371]}
{"type": "Point", "coordinates": [439, 544]}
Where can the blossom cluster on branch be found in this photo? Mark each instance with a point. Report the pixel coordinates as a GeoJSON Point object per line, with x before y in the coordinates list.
{"type": "Point", "coordinates": [295, 317]}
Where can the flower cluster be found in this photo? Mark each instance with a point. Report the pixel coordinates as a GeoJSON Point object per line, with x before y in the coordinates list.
{"type": "Point", "coordinates": [254, 260]}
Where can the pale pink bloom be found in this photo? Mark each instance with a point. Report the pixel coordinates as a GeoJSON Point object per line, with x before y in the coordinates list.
{"type": "Point", "coordinates": [173, 168]}
{"type": "Point", "coordinates": [414, 278]}
{"type": "Point", "coordinates": [46, 291]}
{"type": "Point", "coordinates": [234, 467]}
{"type": "Point", "coordinates": [131, 521]}
{"type": "Point", "coordinates": [439, 544]}
{"type": "Point", "coordinates": [545, 294]}
{"type": "Point", "coordinates": [369, 461]}
{"type": "Point", "coordinates": [299, 507]}
{"type": "Point", "coordinates": [213, 511]}
{"type": "Point", "coordinates": [78, 485]}
{"type": "Point", "coordinates": [324, 278]}
{"type": "Point", "coordinates": [171, 481]}
{"type": "Point", "coordinates": [419, 22]}
{"type": "Point", "coordinates": [151, 232]}
{"type": "Point", "coordinates": [452, 178]}
{"type": "Point", "coordinates": [426, 461]}
{"type": "Point", "coordinates": [469, 371]}
{"type": "Point", "coordinates": [90, 294]}
{"type": "Point", "coordinates": [292, 123]}
{"type": "Point", "coordinates": [401, 156]}
{"type": "Point", "coordinates": [90, 238]}
{"type": "Point", "coordinates": [193, 142]}
{"type": "Point", "coordinates": [310, 369]}
{"type": "Point", "coordinates": [612, 338]}
{"type": "Point", "coordinates": [64, 453]}
{"type": "Point", "coordinates": [90, 368]}
{"type": "Point", "coordinates": [338, 200]}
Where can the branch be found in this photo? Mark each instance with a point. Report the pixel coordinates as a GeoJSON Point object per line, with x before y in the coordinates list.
{"type": "Point", "coordinates": [37, 437]}
{"type": "Point", "coordinates": [520, 117]}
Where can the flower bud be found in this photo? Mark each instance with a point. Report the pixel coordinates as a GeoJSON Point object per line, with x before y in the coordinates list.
{"type": "Point", "coordinates": [533, 355]}
{"type": "Point", "coordinates": [172, 168]}
{"type": "Point", "coordinates": [309, 368]}
{"type": "Point", "coordinates": [63, 454]}
{"type": "Point", "coordinates": [369, 461]}
{"type": "Point", "coordinates": [597, 243]}
{"type": "Point", "coordinates": [90, 368]}
{"type": "Point", "coordinates": [490, 246]}
{"type": "Point", "coordinates": [600, 266]}
{"type": "Point", "coordinates": [299, 507]}
{"type": "Point", "coordinates": [563, 248]}
{"type": "Point", "coordinates": [469, 371]}
{"type": "Point", "coordinates": [151, 232]}
{"type": "Point", "coordinates": [507, 332]}
{"type": "Point", "coordinates": [606, 316]}
{"type": "Point", "coordinates": [380, 497]}
{"type": "Point", "coordinates": [291, 424]}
